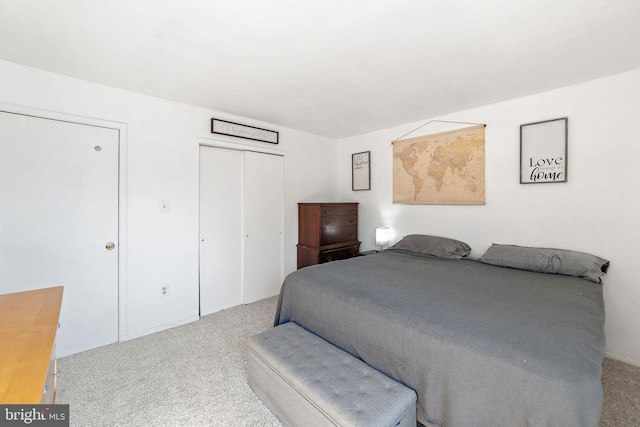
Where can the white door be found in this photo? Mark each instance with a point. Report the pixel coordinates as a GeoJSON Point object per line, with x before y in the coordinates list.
{"type": "Point", "coordinates": [220, 229]}
{"type": "Point", "coordinates": [241, 216]}
{"type": "Point", "coordinates": [263, 222]}
{"type": "Point", "coordinates": [58, 211]}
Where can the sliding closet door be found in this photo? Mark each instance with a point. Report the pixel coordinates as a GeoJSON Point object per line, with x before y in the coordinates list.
{"type": "Point", "coordinates": [263, 223]}
{"type": "Point", "coordinates": [241, 217]}
{"type": "Point", "coordinates": [220, 229]}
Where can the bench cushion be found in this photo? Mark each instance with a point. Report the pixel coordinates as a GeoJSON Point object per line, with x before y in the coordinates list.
{"type": "Point", "coordinates": [306, 381]}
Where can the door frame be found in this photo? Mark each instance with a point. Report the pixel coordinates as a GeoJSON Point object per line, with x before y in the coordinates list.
{"type": "Point", "coordinates": [121, 128]}
{"type": "Point", "coordinates": [227, 143]}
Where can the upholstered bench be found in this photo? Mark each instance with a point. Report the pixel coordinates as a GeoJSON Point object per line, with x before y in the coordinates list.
{"type": "Point", "coordinates": [307, 381]}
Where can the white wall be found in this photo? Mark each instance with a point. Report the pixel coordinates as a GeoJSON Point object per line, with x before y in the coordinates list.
{"type": "Point", "coordinates": [596, 211]}
{"type": "Point", "coordinates": [162, 164]}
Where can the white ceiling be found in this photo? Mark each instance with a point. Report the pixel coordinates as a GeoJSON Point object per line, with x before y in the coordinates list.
{"type": "Point", "coordinates": [330, 67]}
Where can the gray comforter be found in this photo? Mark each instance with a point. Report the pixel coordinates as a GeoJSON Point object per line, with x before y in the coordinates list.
{"type": "Point", "coordinates": [481, 345]}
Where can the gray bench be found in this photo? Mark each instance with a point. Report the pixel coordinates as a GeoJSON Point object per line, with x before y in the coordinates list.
{"type": "Point", "coordinates": [307, 381]}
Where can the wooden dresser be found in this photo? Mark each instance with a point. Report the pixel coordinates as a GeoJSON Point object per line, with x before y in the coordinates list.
{"type": "Point", "coordinates": [327, 232]}
{"type": "Point", "coordinates": [28, 326]}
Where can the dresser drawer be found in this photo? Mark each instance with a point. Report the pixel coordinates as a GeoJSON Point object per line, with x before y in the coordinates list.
{"type": "Point", "coordinates": [339, 210]}
{"type": "Point", "coordinates": [338, 221]}
{"type": "Point", "coordinates": [331, 235]}
{"type": "Point", "coordinates": [49, 390]}
{"type": "Point", "coordinates": [337, 254]}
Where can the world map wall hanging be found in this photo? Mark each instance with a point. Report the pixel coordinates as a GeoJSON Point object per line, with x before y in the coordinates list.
{"type": "Point", "coordinates": [440, 169]}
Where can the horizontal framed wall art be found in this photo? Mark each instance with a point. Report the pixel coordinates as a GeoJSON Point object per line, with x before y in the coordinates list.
{"type": "Point", "coordinates": [238, 130]}
{"type": "Point", "coordinates": [361, 171]}
{"type": "Point", "coordinates": [543, 151]}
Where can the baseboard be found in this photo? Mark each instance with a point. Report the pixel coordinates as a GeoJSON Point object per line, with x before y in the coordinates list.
{"type": "Point", "coordinates": [625, 359]}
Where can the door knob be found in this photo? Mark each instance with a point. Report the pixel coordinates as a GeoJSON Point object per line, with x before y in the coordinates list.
{"type": "Point", "coordinates": [110, 246]}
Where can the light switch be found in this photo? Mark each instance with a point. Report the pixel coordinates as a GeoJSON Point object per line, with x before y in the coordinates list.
{"type": "Point", "coordinates": [164, 206]}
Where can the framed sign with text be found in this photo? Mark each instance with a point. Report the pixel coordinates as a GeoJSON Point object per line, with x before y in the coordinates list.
{"type": "Point", "coordinates": [361, 171]}
{"type": "Point", "coordinates": [543, 151]}
{"type": "Point", "coordinates": [223, 127]}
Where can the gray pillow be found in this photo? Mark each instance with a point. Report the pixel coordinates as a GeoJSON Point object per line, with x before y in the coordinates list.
{"type": "Point", "coordinates": [433, 245]}
{"type": "Point", "coordinates": [547, 260]}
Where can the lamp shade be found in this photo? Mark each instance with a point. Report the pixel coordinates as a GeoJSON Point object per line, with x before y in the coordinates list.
{"type": "Point", "coordinates": [382, 236]}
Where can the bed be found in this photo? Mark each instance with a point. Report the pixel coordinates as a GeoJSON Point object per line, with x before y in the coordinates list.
{"type": "Point", "coordinates": [481, 344]}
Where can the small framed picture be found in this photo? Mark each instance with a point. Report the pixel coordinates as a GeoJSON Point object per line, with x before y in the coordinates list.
{"type": "Point", "coordinates": [543, 152]}
{"type": "Point", "coordinates": [361, 171]}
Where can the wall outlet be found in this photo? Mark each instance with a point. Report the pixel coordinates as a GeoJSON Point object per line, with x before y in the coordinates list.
{"type": "Point", "coordinates": [165, 290]}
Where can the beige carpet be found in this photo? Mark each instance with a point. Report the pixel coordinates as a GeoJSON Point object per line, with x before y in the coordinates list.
{"type": "Point", "coordinates": [191, 375]}
{"type": "Point", "coordinates": [621, 384]}
{"type": "Point", "coordinates": [195, 375]}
